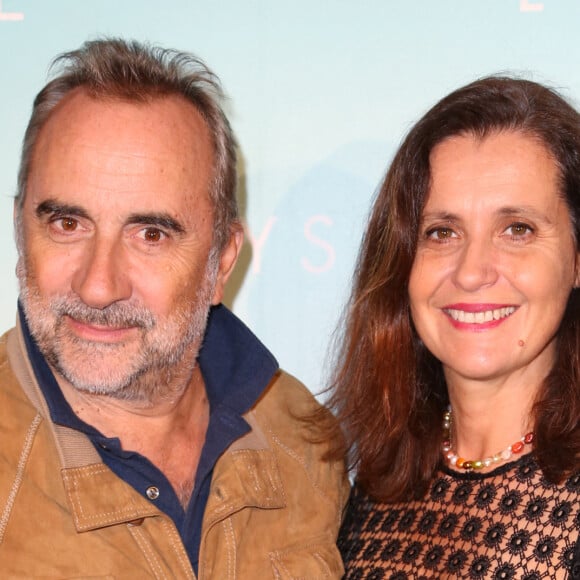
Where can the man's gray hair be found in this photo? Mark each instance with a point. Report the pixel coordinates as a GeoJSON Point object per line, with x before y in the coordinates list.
{"type": "Point", "coordinates": [131, 71]}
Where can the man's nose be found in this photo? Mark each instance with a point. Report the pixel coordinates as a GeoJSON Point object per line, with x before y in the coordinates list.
{"type": "Point", "coordinates": [102, 279]}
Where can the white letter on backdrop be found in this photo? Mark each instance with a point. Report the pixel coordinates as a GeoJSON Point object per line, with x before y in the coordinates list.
{"type": "Point", "coordinates": [331, 254]}
{"type": "Point", "coordinates": [527, 6]}
{"type": "Point", "coordinates": [10, 15]}
{"type": "Point", "coordinates": [258, 243]}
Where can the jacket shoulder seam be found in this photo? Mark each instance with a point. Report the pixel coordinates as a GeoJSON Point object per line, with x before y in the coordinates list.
{"type": "Point", "coordinates": [19, 476]}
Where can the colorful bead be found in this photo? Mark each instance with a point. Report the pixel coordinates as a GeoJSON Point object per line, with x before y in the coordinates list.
{"type": "Point", "coordinates": [506, 453]}
{"type": "Point", "coordinates": [475, 464]}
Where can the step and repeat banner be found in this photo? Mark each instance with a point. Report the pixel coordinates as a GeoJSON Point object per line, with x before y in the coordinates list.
{"type": "Point", "coordinates": [320, 94]}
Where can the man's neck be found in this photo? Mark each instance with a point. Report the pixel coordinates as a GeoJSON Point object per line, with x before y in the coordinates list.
{"type": "Point", "coordinates": [170, 431]}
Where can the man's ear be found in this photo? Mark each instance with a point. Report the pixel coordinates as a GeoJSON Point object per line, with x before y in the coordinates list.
{"type": "Point", "coordinates": [227, 261]}
{"type": "Point", "coordinates": [577, 279]}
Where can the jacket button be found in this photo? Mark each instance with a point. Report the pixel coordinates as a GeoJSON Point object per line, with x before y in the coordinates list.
{"type": "Point", "coordinates": [152, 492]}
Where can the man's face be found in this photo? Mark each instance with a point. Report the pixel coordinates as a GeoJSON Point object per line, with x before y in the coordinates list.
{"type": "Point", "coordinates": [117, 271]}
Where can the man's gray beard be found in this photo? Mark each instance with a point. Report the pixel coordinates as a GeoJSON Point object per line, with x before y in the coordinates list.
{"type": "Point", "coordinates": [164, 343]}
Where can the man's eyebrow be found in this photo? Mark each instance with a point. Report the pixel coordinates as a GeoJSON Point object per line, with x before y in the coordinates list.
{"type": "Point", "coordinates": [53, 207]}
{"type": "Point", "coordinates": [162, 220]}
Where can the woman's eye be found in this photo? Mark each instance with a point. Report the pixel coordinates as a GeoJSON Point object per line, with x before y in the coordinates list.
{"type": "Point", "coordinates": [440, 234]}
{"type": "Point", "coordinates": [519, 230]}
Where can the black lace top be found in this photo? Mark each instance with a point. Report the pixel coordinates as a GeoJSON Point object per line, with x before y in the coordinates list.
{"type": "Point", "coordinates": [509, 523]}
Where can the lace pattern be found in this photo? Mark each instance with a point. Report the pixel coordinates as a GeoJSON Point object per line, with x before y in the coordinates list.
{"type": "Point", "coordinates": [509, 523]}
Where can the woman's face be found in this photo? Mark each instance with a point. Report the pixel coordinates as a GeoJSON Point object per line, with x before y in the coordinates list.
{"type": "Point", "coordinates": [496, 258]}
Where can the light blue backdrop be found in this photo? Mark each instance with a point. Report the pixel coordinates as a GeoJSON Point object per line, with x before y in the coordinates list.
{"type": "Point", "coordinates": [321, 92]}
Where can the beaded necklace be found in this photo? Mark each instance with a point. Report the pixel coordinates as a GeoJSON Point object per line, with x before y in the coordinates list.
{"type": "Point", "coordinates": [454, 460]}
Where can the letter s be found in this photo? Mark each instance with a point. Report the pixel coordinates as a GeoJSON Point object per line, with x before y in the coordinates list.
{"type": "Point", "coordinates": [330, 253]}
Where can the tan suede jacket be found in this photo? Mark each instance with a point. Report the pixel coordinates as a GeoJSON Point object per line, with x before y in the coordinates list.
{"type": "Point", "coordinates": [273, 512]}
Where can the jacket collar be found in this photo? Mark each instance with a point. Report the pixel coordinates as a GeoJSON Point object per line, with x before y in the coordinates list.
{"type": "Point", "coordinates": [247, 474]}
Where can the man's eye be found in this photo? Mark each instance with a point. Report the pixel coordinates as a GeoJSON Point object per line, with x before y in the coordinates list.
{"type": "Point", "coordinates": [66, 224]}
{"type": "Point", "coordinates": [153, 235]}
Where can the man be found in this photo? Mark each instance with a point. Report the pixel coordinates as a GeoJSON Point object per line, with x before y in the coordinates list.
{"type": "Point", "coordinates": [140, 437]}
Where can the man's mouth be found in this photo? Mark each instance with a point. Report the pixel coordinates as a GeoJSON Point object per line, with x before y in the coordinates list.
{"type": "Point", "coordinates": [92, 332]}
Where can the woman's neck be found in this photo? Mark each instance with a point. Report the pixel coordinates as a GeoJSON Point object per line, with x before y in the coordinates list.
{"type": "Point", "coordinates": [488, 416]}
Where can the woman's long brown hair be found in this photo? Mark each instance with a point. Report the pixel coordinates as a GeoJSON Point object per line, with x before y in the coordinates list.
{"type": "Point", "coordinates": [387, 390]}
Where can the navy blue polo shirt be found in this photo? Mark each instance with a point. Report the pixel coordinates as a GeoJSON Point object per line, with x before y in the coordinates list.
{"type": "Point", "coordinates": [236, 368]}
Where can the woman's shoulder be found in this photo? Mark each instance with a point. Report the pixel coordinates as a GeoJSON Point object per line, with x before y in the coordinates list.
{"type": "Point", "coordinates": [362, 504]}
{"type": "Point", "coordinates": [363, 513]}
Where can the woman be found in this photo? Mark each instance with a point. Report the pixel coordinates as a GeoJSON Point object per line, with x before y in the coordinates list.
{"type": "Point", "coordinates": [459, 378]}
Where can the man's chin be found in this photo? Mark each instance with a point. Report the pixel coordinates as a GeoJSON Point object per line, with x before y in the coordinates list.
{"type": "Point", "coordinates": [97, 369]}
{"type": "Point", "coordinates": [112, 384]}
